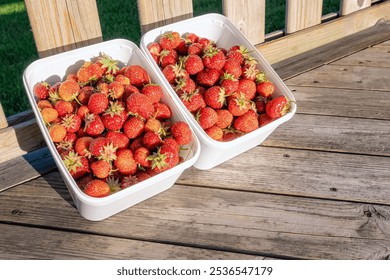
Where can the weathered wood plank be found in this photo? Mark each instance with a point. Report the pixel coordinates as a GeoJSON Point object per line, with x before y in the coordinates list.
{"type": "Point", "coordinates": [343, 47]}
{"type": "Point", "coordinates": [319, 35]}
{"type": "Point", "coordinates": [345, 76]}
{"type": "Point", "coordinates": [24, 168]}
{"type": "Point", "coordinates": [163, 12]}
{"type": "Point", "coordinates": [338, 134]}
{"type": "Point", "coordinates": [20, 117]}
{"type": "Point", "coordinates": [375, 57]}
{"type": "Point", "coordinates": [60, 25]}
{"type": "Point", "coordinates": [20, 139]}
{"type": "Point", "coordinates": [18, 242]}
{"type": "Point", "coordinates": [3, 118]}
{"type": "Point", "coordinates": [301, 173]}
{"type": "Point", "coordinates": [350, 6]}
{"type": "Point", "coordinates": [301, 14]}
{"type": "Point", "coordinates": [248, 16]}
{"type": "Point", "coordinates": [242, 222]}
{"type": "Point", "coordinates": [342, 102]}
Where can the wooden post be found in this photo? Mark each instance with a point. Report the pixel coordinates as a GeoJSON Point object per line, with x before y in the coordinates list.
{"type": "Point", "coordinates": [61, 25]}
{"type": "Point", "coordinates": [301, 14]}
{"type": "Point", "coordinates": [3, 119]}
{"type": "Point", "coordinates": [350, 6]}
{"type": "Point", "coordinates": [156, 13]}
{"type": "Point", "coordinates": [248, 16]}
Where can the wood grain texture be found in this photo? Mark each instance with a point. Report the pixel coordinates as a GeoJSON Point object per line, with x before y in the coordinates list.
{"type": "Point", "coordinates": [336, 134]}
{"type": "Point", "coordinates": [345, 77]}
{"type": "Point", "coordinates": [3, 118]}
{"type": "Point", "coordinates": [375, 57]}
{"type": "Point", "coordinates": [316, 36]}
{"type": "Point", "coordinates": [72, 245]}
{"type": "Point", "coordinates": [162, 13]}
{"type": "Point", "coordinates": [301, 14]}
{"type": "Point", "coordinates": [350, 6]}
{"type": "Point", "coordinates": [241, 222]}
{"type": "Point", "coordinates": [248, 16]}
{"type": "Point", "coordinates": [61, 25]}
{"type": "Point", "coordinates": [304, 173]}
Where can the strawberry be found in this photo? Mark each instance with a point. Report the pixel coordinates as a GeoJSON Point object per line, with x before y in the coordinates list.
{"type": "Point", "coordinates": [239, 105]}
{"type": "Point", "coordinates": [97, 103]}
{"type": "Point", "coordinates": [151, 140]}
{"type": "Point", "coordinates": [136, 143]}
{"type": "Point", "coordinates": [168, 57]}
{"type": "Point", "coordinates": [97, 188]}
{"type": "Point", "coordinates": [193, 64]}
{"type": "Point", "coordinates": [139, 104]}
{"type": "Point", "coordinates": [122, 79]}
{"type": "Point", "coordinates": [206, 117]}
{"type": "Point", "coordinates": [153, 91]}
{"type": "Point", "coordinates": [129, 89]}
{"type": "Point", "coordinates": [264, 119]}
{"type": "Point", "coordinates": [57, 132]}
{"type": "Point", "coordinates": [82, 146]}
{"type": "Point", "coordinates": [153, 124]}
{"type": "Point", "coordinates": [250, 72]}
{"type": "Point", "coordinates": [215, 97]}
{"type": "Point", "coordinates": [195, 48]}
{"type": "Point", "coordinates": [63, 108]}
{"type": "Point", "coordinates": [93, 125]}
{"type": "Point", "coordinates": [191, 37]}
{"type": "Point", "coordinates": [77, 165]}
{"type": "Point", "coordinates": [247, 122]}
{"type": "Point", "coordinates": [171, 142]}
{"type": "Point", "coordinates": [116, 90]}
{"type": "Point", "coordinates": [115, 116]}
{"type": "Point", "coordinates": [119, 139]}
{"type": "Point", "coordinates": [82, 111]}
{"type": "Point", "coordinates": [125, 163]}
{"type": "Point", "coordinates": [108, 65]}
{"type": "Point", "coordinates": [165, 158]}
{"type": "Point", "coordinates": [49, 115]}
{"type": "Point", "coordinates": [205, 42]}
{"type": "Point", "coordinates": [155, 49]}
{"type": "Point", "coordinates": [161, 111]}
{"type": "Point", "coordinates": [41, 90]}
{"type": "Point", "coordinates": [102, 87]}
{"type": "Point", "coordinates": [42, 104]}
{"type": "Point", "coordinates": [174, 71]}
{"type": "Point", "coordinates": [170, 40]}
{"type": "Point", "coordinates": [215, 133]}
{"type": "Point", "coordinates": [193, 101]}
{"type": "Point", "coordinates": [133, 127]}
{"type": "Point", "coordinates": [88, 73]}
{"type": "Point", "coordinates": [213, 58]}
{"type": "Point", "coordinates": [207, 77]}
{"type": "Point", "coordinates": [84, 94]}
{"type": "Point", "coordinates": [101, 169]}
{"type": "Point", "coordinates": [247, 87]}
{"type": "Point", "coordinates": [277, 107]}
{"type": "Point", "coordinates": [233, 67]}
{"type": "Point", "coordinates": [266, 88]}
{"type": "Point", "coordinates": [182, 48]}
{"type": "Point", "coordinates": [237, 53]}
{"type": "Point", "coordinates": [181, 132]}
{"type": "Point", "coordinates": [141, 157]}
{"type": "Point", "coordinates": [103, 149]}
{"type": "Point", "coordinates": [137, 75]}
{"type": "Point", "coordinates": [185, 84]}
{"type": "Point", "coordinates": [260, 104]}
{"type": "Point", "coordinates": [229, 83]}
{"type": "Point", "coordinates": [71, 122]}
{"type": "Point", "coordinates": [68, 90]}
{"type": "Point", "coordinates": [225, 118]}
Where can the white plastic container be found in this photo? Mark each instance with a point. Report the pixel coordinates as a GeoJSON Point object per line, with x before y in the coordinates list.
{"type": "Point", "coordinates": [219, 29]}
{"type": "Point", "coordinates": [54, 69]}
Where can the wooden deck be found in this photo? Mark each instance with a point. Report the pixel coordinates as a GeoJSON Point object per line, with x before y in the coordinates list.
{"type": "Point", "coordinates": [317, 188]}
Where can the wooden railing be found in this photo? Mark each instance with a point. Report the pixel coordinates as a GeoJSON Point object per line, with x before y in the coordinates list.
{"type": "Point", "coordinates": [61, 25]}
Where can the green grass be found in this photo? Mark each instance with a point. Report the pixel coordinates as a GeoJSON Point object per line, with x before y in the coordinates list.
{"type": "Point", "coordinates": [118, 19]}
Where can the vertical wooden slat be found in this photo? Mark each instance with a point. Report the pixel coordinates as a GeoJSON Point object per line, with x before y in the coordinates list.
{"type": "Point", "coordinates": [156, 13]}
{"type": "Point", "coordinates": [350, 6]}
{"type": "Point", "coordinates": [301, 14]}
{"type": "Point", "coordinates": [3, 119]}
{"type": "Point", "coordinates": [248, 16]}
{"type": "Point", "coordinates": [61, 25]}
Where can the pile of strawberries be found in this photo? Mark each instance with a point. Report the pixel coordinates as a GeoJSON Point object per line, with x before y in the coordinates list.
{"type": "Point", "coordinates": [225, 90]}
{"type": "Point", "coordinates": [110, 127]}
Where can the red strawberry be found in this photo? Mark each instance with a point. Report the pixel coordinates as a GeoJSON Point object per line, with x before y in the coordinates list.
{"type": "Point", "coordinates": [118, 139]}
{"type": "Point", "coordinates": [205, 42]}
{"type": "Point", "coordinates": [247, 122]}
{"type": "Point", "coordinates": [182, 48]}
{"type": "Point", "coordinates": [193, 64]}
{"type": "Point", "coordinates": [41, 90]}
{"type": "Point", "coordinates": [97, 188]}
{"type": "Point", "coordinates": [215, 97]}
{"type": "Point", "coordinates": [250, 72]}
{"type": "Point", "coordinates": [229, 83]}
{"type": "Point", "coordinates": [82, 111]}
{"type": "Point", "coordinates": [103, 148]}
{"type": "Point", "coordinates": [172, 72]}
{"type": "Point", "coordinates": [266, 88]}
{"type": "Point", "coordinates": [207, 77]}
{"type": "Point", "coordinates": [122, 79]}
{"type": "Point", "coordinates": [260, 104]}
{"type": "Point", "coordinates": [116, 90]}
{"type": "Point", "coordinates": [88, 72]}
{"type": "Point", "coordinates": [129, 89]}
{"type": "Point", "coordinates": [151, 140]}
{"type": "Point", "coordinates": [239, 106]}
{"type": "Point", "coordinates": [193, 101]}
{"type": "Point", "coordinates": [115, 116]}
{"type": "Point", "coordinates": [191, 37]}
{"type": "Point", "coordinates": [165, 158]}
{"type": "Point", "coordinates": [213, 58]}
{"type": "Point", "coordinates": [101, 169]}
{"type": "Point", "coordinates": [44, 104]}
{"type": "Point", "coordinates": [71, 122]}
{"type": "Point", "coordinates": [206, 117]}
{"type": "Point", "coordinates": [84, 94]}
{"type": "Point", "coordinates": [264, 119]}
{"type": "Point", "coordinates": [185, 84]}
{"type": "Point", "coordinates": [225, 118]}
{"type": "Point", "coordinates": [168, 57]}
{"type": "Point", "coordinates": [64, 108]}
{"type": "Point", "coordinates": [233, 67]}
{"type": "Point", "coordinates": [153, 91]}
{"type": "Point", "coordinates": [68, 90]}
{"type": "Point", "coordinates": [277, 107]}
{"type": "Point", "coordinates": [247, 87]}
{"type": "Point", "coordinates": [170, 40]}
{"type": "Point", "coordinates": [137, 75]}
{"type": "Point", "coordinates": [195, 48]}
{"type": "Point", "coordinates": [161, 111]}
{"type": "Point", "coordinates": [93, 125]}
{"type": "Point", "coordinates": [77, 165]}
{"type": "Point", "coordinates": [181, 132]}
{"type": "Point", "coordinates": [139, 104]}
{"type": "Point", "coordinates": [153, 124]}
{"type": "Point", "coordinates": [125, 163]}
{"type": "Point", "coordinates": [155, 49]}
{"type": "Point", "coordinates": [215, 133]}
{"type": "Point", "coordinates": [82, 146]}
{"type": "Point", "coordinates": [141, 157]}
{"type": "Point", "coordinates": [133, 127]}
{"type": "Point", "coordinates": [98, 103]}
